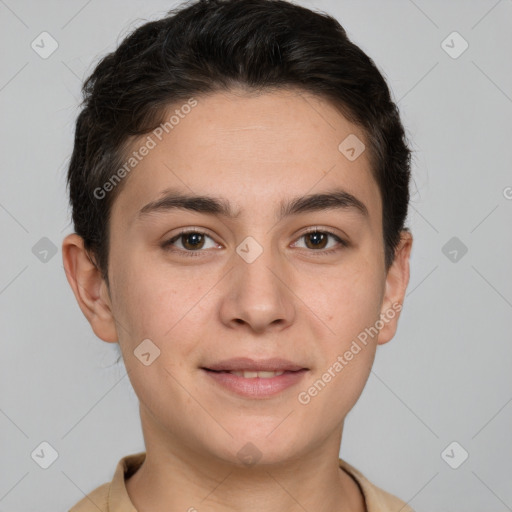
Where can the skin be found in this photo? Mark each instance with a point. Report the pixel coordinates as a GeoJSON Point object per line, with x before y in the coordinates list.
{"type": "Point", "coordinates": [291, 302]}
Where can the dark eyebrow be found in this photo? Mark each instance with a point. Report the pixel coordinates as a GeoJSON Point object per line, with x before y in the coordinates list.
{"type": "Point", "coordinates": [334, 199]}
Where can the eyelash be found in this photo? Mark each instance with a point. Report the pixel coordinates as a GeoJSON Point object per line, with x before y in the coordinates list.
{"type": "Point", "coordinates": [166, 245]}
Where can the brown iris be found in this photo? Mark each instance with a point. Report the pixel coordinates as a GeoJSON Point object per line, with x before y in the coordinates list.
{"type": "Point", "coordinates": [197, 240]}
{"type": "Point", "coordinates": [319, 239]}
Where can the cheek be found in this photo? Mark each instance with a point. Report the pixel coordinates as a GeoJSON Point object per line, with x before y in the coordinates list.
{"type": "Point", "coordinates": [345, 358]}
{"type": "Point", "coordinates": [350, 301]}
{"type": "Point", "coordinates": [152, 304]}
{"type": "Point", "coordinates": [162, 304]}
{"type": "Point", "coordinates": [149, 299]}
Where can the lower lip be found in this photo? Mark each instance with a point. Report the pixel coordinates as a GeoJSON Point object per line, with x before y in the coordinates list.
{"type": "Point", "coordinates": [257, 387]}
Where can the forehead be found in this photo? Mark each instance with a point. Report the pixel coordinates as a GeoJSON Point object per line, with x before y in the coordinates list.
{"type": "Point", "coordinates": [253, 150]}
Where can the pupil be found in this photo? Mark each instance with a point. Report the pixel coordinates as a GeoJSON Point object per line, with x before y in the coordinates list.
{"type": "Point", "coordinates": [315, 237]}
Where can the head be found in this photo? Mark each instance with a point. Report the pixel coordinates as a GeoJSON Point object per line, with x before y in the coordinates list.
{"type": "Point", "coordinates": [278, 126]}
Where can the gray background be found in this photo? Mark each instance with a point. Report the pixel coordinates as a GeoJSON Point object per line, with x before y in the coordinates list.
{"type": "Point", "coordinates": [447, 374]}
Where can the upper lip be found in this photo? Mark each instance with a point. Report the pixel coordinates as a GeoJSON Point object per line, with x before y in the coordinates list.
{"type": "Point", "coordinates": [246, 363]}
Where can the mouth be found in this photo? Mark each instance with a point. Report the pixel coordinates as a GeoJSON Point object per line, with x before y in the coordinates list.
{"type": "Point", "coordinates": [248, 366]}
{"type": "Point", "coordinates": [255, 379]}
{"type": "Point", "coordinates": [250, 374]}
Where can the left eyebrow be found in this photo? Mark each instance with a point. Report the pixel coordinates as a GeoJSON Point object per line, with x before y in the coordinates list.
{"type": "Point", "coordinates": [333, 199]}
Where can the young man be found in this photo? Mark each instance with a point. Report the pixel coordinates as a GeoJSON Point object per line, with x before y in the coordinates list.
{"type": "Point", "coordinates": [239, 186]}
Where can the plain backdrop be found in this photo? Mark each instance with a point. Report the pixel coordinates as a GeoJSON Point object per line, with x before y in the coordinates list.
{"type": "Point", "coordinates": [446, 376]}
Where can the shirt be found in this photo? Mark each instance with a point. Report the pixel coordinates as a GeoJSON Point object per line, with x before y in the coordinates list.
{"type": "Point", "coordinates": [113, 497]}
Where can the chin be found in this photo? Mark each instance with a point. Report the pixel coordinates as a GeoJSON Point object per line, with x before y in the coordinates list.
{"type": "Point", "coordinates": [256, 446]}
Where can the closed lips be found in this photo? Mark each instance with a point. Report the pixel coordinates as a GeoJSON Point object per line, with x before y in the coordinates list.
{"type": "Point", "coordinates": [255, 379]}
{"type": "Point", "coordinates": [252, 368]}
{"type": "Point", "coordinates": [250, 374]}
{"type": "Point", "coordinates": [253, 374]}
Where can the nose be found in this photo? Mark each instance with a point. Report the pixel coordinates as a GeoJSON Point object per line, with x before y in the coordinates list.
{"type": "Point", "coordinates": [258, 295]}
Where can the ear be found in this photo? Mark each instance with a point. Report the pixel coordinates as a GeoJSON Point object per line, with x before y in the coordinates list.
{"type": "Point", "coordinates": [396, 284]}
{"type": "Point", "coordinates": [89, 287]}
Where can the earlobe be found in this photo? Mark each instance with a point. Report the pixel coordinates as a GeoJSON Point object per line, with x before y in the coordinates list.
{"type": "Point", "coordinates": [89, 288]}
{"type": "Point", "coordinates": [397, 280]}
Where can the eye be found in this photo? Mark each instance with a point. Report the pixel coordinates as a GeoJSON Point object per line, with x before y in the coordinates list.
{"type": "Point", "coordinates": [191, 241]}
{"type": "Point", "coordinates": [317, 239]}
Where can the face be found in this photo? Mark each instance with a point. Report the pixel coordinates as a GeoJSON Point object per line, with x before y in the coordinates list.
{"type": "Point", "coordinates": [300, 284]}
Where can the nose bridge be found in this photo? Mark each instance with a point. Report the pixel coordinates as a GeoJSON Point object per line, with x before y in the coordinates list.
{"type": "Point", "coordinates": [258, 293]}
{"type": "Point", "coordinates": [257, 267]}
